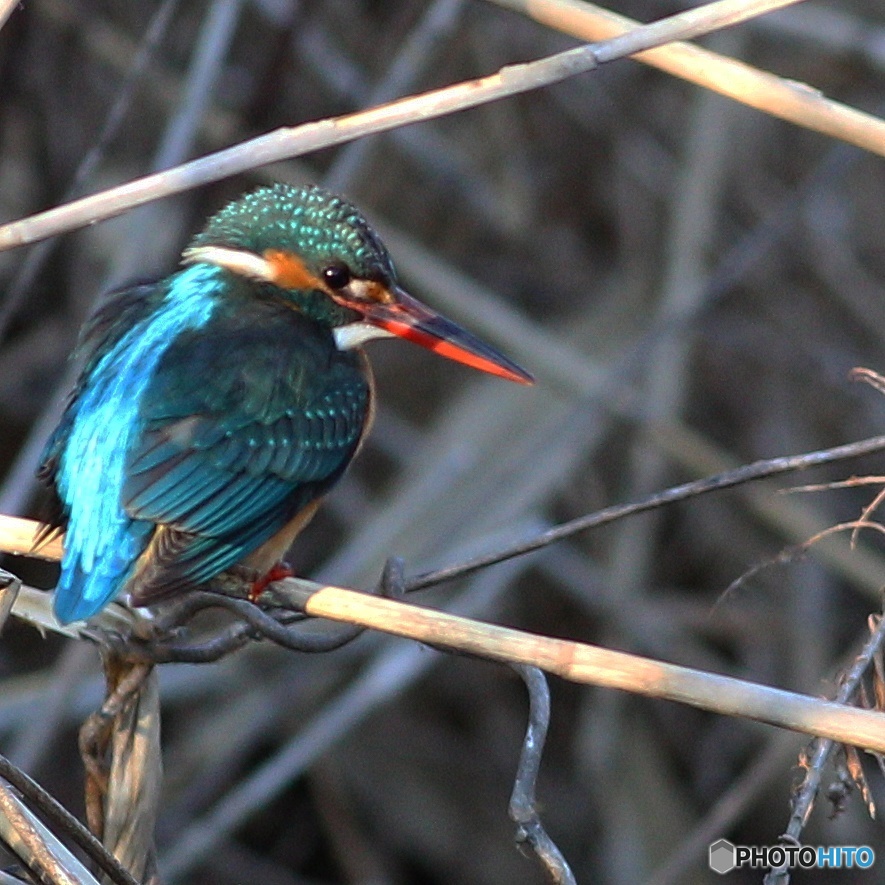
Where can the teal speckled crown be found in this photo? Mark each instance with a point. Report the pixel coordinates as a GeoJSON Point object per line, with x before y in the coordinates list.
{"type": "Point", "coordinates": [309, 221]}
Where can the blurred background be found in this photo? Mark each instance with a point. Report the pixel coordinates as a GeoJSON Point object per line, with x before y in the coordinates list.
{"type": "Point", "coordinates": [691, 282]}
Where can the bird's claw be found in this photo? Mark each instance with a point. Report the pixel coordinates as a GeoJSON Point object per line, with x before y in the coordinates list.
{"type": "Point", "coordinates": [277, 573]}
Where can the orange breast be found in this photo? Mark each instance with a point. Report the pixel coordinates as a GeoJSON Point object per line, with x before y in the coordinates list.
{"type": "Point", "coordinates": [273, 550]}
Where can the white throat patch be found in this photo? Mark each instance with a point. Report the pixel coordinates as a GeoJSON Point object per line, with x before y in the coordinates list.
{"type": "Point", "coordinates": [356, 334]}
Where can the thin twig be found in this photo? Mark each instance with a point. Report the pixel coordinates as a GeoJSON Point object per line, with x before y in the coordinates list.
{"type": "Point", "coordinates": [123, 686]}
{"type": "Point", "coordinates": [292, 142]}
{"type": "Point", "coordinates": [805, 795]}
{"type": "Point", "coordinates": [728, 479]}
{"type": "Point", "coordinates": [523, 808]}
{"type": "Point", "coordinates": [266, 626]}
{"type": "Point", "coordinates": [390, 671]}
{"type": "Point", "coordinates": [417, 52]}
{"type": "Point", "coordinates": [254, 624]}
{"type": "Point", "coordinates": [167, 651]}
{"type": "Point", "coordinates": [132, 801]}
{"type": "Point", "coordinates": [17, 534]}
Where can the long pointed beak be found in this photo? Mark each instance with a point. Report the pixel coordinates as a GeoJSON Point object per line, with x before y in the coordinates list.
{"type": "Point", "coordinates": [408, 318]}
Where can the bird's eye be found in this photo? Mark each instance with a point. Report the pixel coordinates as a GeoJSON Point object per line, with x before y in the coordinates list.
{"type": "Point", "coordinates": [336, 275]}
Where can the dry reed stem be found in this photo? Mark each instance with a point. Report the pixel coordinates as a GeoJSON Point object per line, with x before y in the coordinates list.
{"type": "Point", "coordinates": [39, 850]}
{"type": "Point", "coordinates": [6, 8]}
{"type": "Point", "coordinates": [581, 662]}
{"type": "Point", "coordinates": [796, 102]}
{"type": "Point", "coordinates": [19, 537]}
{"type": "Point", "coordinates": [133, 795]}
{"type": "Point", "coordinates": [807, 107]}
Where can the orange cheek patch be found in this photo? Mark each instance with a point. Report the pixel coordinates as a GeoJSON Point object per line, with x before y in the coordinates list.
{"type": "Point", "coordinates": [289, 271]}
{"type": "Point", "coordinates": [377, 293]}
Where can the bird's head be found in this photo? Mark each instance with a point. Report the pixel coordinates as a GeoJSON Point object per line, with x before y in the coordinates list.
{"type": "Point", "coordinates": [323, 256]}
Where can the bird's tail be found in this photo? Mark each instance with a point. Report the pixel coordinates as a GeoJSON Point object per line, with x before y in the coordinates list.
{"type": "Point", "coordinates": [89, 582]}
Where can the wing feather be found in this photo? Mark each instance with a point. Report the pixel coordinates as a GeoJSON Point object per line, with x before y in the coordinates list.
{"type": "Point", "coordinates": [225, 463]}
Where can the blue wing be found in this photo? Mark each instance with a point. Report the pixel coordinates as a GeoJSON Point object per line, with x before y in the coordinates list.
{"type": "Point", "coordinates": [230, 457]}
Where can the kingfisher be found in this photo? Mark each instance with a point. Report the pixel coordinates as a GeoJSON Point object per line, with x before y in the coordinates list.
{"type": "Point", "coordinates": [216, 407]}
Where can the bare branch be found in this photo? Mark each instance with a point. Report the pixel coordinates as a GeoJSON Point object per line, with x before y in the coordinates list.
{"type": "Point", "coordinates": [787, 99]}
{"type": "Point", "coordinates": [821, 748]}
{"type": "Point", "coordinates": [728, 479]}
{"type": "Point", "coordinates": [523, 810]}
{"type": "Point", "coordinates": [510, 80]}
{"type": "Point", "coordinates": [580, 662]}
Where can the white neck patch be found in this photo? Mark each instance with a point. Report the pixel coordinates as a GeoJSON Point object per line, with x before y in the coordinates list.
{"type": "Point", "coordinates": [356, 334]}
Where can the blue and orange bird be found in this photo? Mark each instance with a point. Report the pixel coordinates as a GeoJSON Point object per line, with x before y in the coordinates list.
{"type": "Point", "coordinates": [216, 407]}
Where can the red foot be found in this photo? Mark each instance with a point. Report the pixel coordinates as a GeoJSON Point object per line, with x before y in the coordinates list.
{"type": "Point", "coordinates": [277, 573]}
